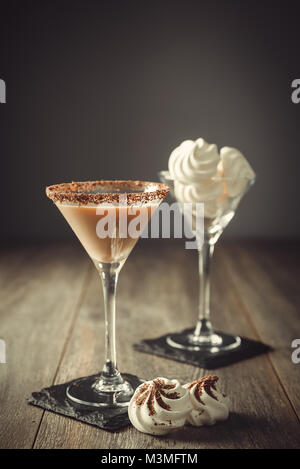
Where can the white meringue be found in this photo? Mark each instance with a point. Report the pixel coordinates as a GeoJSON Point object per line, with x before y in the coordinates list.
{"type": "Point", "coordinates": [209, 404]}
{"type": "Point", "coordinates": [192, 165]}
{"type": "Point", "coordinates": [194, 161]}
{"type": "Point", "coordinates": [201, 174]}
{"type": "Point", "coordinates": [159, 406]}
{"type": "Point", "coordinates": [236, 171]}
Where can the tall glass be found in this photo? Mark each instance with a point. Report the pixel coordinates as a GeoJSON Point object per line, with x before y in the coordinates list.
{"type": "Point", "coordinates": [108, 218]}
{"type": "Point", "coordinates": [217, 214]}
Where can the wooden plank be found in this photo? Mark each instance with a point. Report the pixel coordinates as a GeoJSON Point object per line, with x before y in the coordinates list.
{"type": "Point", "coordinates": [41, 288]}
{"type": "Point", "coordinates": [280, 262]}
{"type": "Point", "coordinates": [158, 293]}
{"type": "Point", "coordinates": [13, 260]}
{"type": "Point", "coordinates": [267, 277]}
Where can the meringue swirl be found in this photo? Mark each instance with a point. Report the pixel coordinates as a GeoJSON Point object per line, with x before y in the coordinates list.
{"type": "Point", "coordinates": [193, 165]}
{"type": "Point", "coordinates": [193, 161]}
{"type": "Point", "coordinates": [209, 404]}
{"type": "Point", "coordinates": [202, 174]}
{"type": "Point", "coordinates": [159, 406]}
{"type": "Point", "coordinates": [236, 170]}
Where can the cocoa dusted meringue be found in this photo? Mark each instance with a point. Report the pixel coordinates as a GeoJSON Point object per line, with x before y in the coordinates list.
{"type": "Point", "coordinates": [159, 406]}
{"type": "Point", "coordinates": [209, 403]}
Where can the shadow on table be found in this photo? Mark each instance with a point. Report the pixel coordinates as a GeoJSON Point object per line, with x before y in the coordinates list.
{"type": "Point", "coordinates": [239, 427]}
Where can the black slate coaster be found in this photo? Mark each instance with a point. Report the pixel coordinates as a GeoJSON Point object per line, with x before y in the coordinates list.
{"type": "Point", "coordinates": [54, 399]}
{"type": "Point", "coordinates": [248, 348]}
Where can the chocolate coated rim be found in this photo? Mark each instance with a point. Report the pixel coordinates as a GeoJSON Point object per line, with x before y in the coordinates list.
{"type": "Point", "coordinates": [76, 192]}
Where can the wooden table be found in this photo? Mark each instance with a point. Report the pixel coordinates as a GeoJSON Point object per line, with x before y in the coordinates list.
{"type": "Point", "coordinates": [52, 321]}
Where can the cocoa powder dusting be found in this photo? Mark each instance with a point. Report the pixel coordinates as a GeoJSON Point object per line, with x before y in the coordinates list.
{"type": "Point", "coordinates": [155, 391]}
{"type": "Point", "coordinates": [208, 383]}
{"type": "Point", "coordinates": [141, 394]}
{"type": "Point", "coordinates": [84, 193]}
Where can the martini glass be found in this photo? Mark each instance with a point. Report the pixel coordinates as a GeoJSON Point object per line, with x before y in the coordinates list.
{"type": "Point", "coordinates": [218, 212]}
{"type": "Point", "coordinates": [108, 217]}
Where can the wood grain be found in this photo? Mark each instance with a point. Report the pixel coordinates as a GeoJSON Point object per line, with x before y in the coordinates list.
{"type": "Point", "coordinates": [270, 293]}
{"type": "Point", "coordinates": [157, 293]}
{"type": "Point", "coordinates": [40, 290]}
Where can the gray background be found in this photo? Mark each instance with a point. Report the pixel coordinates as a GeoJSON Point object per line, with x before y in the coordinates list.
{"type": "Point", "coordinates": [106, 89]}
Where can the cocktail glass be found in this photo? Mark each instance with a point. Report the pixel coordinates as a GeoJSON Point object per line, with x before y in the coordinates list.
{"type": "Point", "coordinates": [108, 217]}
{"type": "Point", "coordinates": [218, 213]}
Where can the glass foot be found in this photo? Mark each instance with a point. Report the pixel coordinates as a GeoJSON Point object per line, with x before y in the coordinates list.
{"type": "Point", "coordinates": [91, 391]}
{"type": "Point", "coordinates": [217, 342]}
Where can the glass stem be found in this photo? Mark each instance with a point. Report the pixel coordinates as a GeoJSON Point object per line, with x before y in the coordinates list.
{"type": "Point", "coordinates": [203, 331]}
{"type": "Point", "coordinates": [109, 275]}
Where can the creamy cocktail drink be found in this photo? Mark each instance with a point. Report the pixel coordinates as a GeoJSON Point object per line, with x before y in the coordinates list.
{"type": "Point", "coordinates": [108, 217]}
{"type": "Point", "coordinates": [108, 233]}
